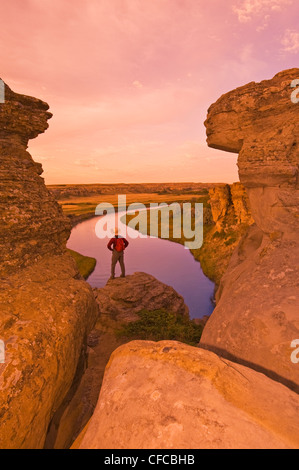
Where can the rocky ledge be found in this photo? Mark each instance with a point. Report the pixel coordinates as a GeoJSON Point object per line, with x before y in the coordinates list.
{"type": "Point", "coordinates": [47, 309]}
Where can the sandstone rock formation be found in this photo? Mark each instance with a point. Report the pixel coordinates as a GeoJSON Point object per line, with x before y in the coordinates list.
{"type": "Point", "coordinates": [119, 302]}
{"type": "Point", "coordinates": [229, 205]}
{"type": "Point", "coordinates": [47, 309]}
{"type": "Point", "coordinates": [256, 317]}
{"type": "Point", "coordinates": [240, 203]}
{"type": "Point", "coordinates": [220, 202]}
{"type": "Point", "coordinates": [226, 218]}
{"type": "Point", "coordinates": [123, 298]}
{"type": "Point", "coordinates": [168, 395]}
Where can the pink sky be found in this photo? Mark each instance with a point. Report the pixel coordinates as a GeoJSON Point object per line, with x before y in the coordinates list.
{"type": "Point", "coordinates": [129, 81]}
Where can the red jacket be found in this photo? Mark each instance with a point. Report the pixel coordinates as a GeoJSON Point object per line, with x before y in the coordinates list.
{"type": "Point", "coordinates": [112, 243]}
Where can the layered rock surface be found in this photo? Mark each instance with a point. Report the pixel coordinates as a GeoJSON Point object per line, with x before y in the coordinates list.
{"type": "Point", "coordinates": [47, 309]}
{"type": "Point", "coordinates": [226, 218]}
{"type": "Point", "coordinates": [168, 395]}
{"type": "Point", "coordinates": [230, 205]}
{"type": "Point", "coordinates": [256, 317]}
{"type": "Point", "coordinates": [65, 191]}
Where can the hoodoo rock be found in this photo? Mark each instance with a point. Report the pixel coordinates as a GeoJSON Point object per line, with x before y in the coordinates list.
{"type": "Point", "coordinates": [47, 309]}
{"type": "Point", "coordinates": [168, 395]}
{"type": "Point", "coordinates": [32, 223]}
{"type": "Point", "coordinates": [256, 317]}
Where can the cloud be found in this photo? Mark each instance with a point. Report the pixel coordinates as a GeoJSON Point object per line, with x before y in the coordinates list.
{"type": "Point", "coordinates": [246, 10]}
{"type": "Point", "coordinates": [137, 84]}
{"type": "Point", "coordinates": [87, 163]}
{"type": "Point", "coordinates": [290, 41]}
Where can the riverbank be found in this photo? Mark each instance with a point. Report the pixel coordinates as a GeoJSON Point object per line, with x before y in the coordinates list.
{"type": "Point", "coordinates": [85, 264]}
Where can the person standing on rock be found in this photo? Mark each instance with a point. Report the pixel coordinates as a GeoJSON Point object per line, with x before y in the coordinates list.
{"type": "Point", "coordinates": [117, 245]}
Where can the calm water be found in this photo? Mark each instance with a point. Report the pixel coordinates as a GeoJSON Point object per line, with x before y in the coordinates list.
{"type": "Point", "coordinates": [169, 262]}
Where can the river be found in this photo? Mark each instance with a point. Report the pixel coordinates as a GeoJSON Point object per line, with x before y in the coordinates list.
{"type": "Point", "coordinates": [169, 262]}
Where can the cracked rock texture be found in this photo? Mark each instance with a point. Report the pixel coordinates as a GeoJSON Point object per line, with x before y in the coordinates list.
{"type": "Point", "coordinates": [256, 317]}
{"type": "Point", "coordinates": [47, 309]}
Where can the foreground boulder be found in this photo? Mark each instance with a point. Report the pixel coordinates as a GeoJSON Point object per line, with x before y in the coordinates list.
{"type": "Point", "coordinates": [123, 298]}
{"type": "Point", "coordinates": [256, 317]}
{"type": "Point", "coordinates": [47, 309]}
{"type": "Point", "coordinates": [168, 395]}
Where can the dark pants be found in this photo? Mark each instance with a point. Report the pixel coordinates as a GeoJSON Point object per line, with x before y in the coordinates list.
{"type": "Point", "coordinates": [117, 256]}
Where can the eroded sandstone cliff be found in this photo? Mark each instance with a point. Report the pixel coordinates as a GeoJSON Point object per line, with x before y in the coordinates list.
{"type": "Point", "coordinates": [47, 309]}
{"type": "Point", "coordinates": [256, 317]}
{"type": "Point", "coordinates": [227, 217]}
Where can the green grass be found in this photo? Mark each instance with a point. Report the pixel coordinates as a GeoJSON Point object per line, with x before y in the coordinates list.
{"type": "Point", "coordinates": [158, 325]}
{"type": "Point", "coordinates": [85, 264]}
